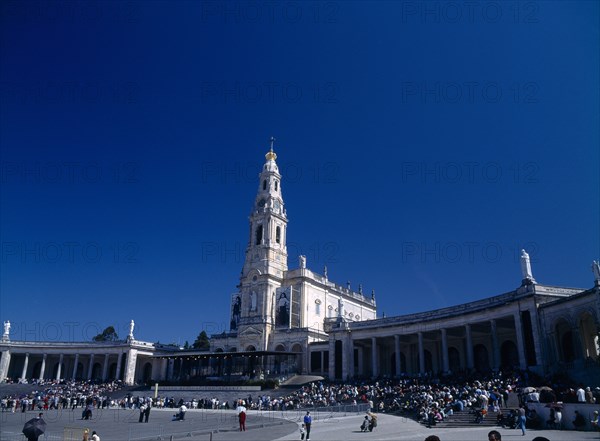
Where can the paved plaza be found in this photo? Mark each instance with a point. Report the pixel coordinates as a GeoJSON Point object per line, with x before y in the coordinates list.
{"type": "Point", "coordinates": [204, 425]}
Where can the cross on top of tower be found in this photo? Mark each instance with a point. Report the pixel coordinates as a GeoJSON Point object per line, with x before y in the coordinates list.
{"type": "Point", "coordinates": [271, 156]}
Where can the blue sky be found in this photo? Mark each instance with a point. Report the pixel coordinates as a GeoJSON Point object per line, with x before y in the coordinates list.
{"type": "Point", "coordinates": [422, 145]}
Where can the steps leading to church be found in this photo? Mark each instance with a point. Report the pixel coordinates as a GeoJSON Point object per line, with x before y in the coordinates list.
{"type": "Point", "coordinates": [467, 419]}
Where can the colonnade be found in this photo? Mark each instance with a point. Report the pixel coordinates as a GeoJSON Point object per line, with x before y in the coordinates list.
{"type": "Point", "coordinates": [120, 364]}
{"type": "Point", "coordinates": [510, 339]}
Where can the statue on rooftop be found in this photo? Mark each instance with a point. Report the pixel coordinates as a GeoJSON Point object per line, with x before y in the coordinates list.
{"type": "Point", "coordinates": [302, 261]}
{"type": "Point", "coordinates": [526, 267]}
{"type": "Point", "coordinates": [6, 330]}
{"type": "Point", "coordinates": [596, 271]}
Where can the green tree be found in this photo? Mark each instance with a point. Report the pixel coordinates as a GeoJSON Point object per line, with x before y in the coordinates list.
{"type": "Point", "coordinates": [202, 341]}
{"type": "Point", "coordinates": [109, 334]}
{"type": "Point", "coordinates": [186, 345]}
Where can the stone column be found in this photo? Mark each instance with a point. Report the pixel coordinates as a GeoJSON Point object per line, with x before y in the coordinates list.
{"type": "Point", "coordinates": [344, 358]}
{"type": "Point", "coordinates": [163, 369]}
{"type": "Point", "coordinates": [495, 346]}
{"type": "Point", "coordinates": [75, 366]}
{"type": "Point", "coordinates": [25, 364]}
{"type": "Point", "coordinates": [374, 363]}
{"type": "Point", "coordinates": [90, 367]}
{"type": "Point", "coordinates": [397, 354]}
{"type": "Point", "coordinates": [535, 329]}
{"type": "Point", "coordinates": [306, 362]}
{"type": "Point", "coordinates": [43, 368]}
{"type": "Point", "coordinates": [119, 362]}
{"type": "Point", "coordinates": [322, 361]}
{"type": "Point", "coordinates": [470, 363]}
{"type": "Point", "coordinates": [105, 367]}
{"type": "Point", "coordinates": [445, 363]}
{"type": "Point", "coordinates": [4, 365]}
{"type": "Point", "coordinates": [421, 354]}
{"type": "Point", "coordinates": [59, 369]}
{"type": "Point", "coordinates": [520, 343]}
{"type": "Point", "coordinates": [351, 360]}
{"type": "Point", "coordinates": [331, 372]}
{"type": "Point", "coordinates": [130, 366]}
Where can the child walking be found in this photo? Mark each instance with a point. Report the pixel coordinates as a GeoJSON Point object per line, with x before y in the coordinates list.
{"type": "Point", "coordinates": [302, 432]}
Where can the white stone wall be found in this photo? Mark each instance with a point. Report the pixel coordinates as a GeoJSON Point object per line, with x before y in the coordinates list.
{"type": "Point", "coordinates": [317, 290]}
{"type": "Point", "coordinates": [328, 304]}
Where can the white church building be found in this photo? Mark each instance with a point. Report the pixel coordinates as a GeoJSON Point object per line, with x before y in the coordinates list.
{"type": "Point", "coordinates": [277, 309]}
{"type": "Point", "coordinates": [285, 321]}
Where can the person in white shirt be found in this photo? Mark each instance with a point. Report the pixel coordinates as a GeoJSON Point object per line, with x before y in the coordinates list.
{"type": "Point", "coordinates": [241, 410]}
{"type": "Point", "coordinates": [581, 395]}
{"type": "Point", "coordinates": [182, 411]}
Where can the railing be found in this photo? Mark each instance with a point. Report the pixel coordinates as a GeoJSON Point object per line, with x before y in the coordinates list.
{"type": "Point", "coordinates": [318, 413]}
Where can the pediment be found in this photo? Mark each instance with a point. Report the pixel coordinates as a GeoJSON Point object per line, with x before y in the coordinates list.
{"type": "Point", "coordinates": [250, 330]}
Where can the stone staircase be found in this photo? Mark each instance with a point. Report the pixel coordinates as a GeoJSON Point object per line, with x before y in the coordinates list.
{"type": "Point", "coordinates": [467, 419]}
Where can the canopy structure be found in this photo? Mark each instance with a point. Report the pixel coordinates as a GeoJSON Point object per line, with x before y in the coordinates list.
{"type": "Point", "coordinates": [231, 366]}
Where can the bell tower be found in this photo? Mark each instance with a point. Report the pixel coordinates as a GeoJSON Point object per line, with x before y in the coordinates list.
{"type": "Point", "coordinates": [266, 259]}
{"type": "Point", "coordinates": [266, 250]}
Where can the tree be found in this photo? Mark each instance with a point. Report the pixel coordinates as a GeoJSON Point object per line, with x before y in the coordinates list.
{"type": "Point", "coordinates": [202, 341]}
{"type": "Point", "coordinates": [186, 345]}
{"type": "Point", "coordinates": [109, 334]}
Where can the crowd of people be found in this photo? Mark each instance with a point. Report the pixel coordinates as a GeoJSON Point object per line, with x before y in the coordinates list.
{"type": "Point", "coordinates": [431, 399]}
{"type": "Point", "coordinates": [428, 399]}
{"type": "Point", "coordinates": [64, 394]}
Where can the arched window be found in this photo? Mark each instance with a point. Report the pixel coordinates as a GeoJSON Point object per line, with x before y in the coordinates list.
{"type": "Point", "coordinates": [276, 185]}
{"type": "Point", "coordinates": [278, 234]}
{"type": "Point", "coordinates": [259, 234]}
{"type": "Point", "coordinates": [265, 184]}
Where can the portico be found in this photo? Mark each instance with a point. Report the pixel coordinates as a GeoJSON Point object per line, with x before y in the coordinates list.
{"type": "Point", "coordinates": [487, 335]}
{"type": "Point", "coordinates": [123, 361]}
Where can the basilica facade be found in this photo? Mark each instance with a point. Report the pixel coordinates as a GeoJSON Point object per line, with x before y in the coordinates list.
{"type": "Point", "coordinates": [275, 308]}
{"type": "Point", "coordinates": [285, 321]}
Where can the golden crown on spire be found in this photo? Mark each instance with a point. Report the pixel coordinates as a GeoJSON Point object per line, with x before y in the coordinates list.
{"type": "Point", "coordinates": [271, 156]}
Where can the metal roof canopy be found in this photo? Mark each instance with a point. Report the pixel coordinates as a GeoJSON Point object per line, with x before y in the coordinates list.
{"type": "Point", "coordinates": [201, 354]}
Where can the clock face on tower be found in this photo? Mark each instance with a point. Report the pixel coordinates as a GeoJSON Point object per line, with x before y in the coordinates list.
{"type": "Point", "coordinates": [261, 203]}
{"type": "Point", "coordinates": [276, 206]}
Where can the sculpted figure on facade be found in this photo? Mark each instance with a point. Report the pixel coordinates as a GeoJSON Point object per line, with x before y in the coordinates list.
{"type": "Point", "coordinates": [5, 335]}
{"type": "Point", "coordinates": [596, 271]}
{"type": "Point", "coordinates": [526, 266]}
{"type": "Point", "coordinates": [131, 326]}
{"type": "Point", "coordinates": [283, 309]}
{"type": "Point", "coordinates": [302, 261]}
{"type": "Point", "coordinates": [236, 311]}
